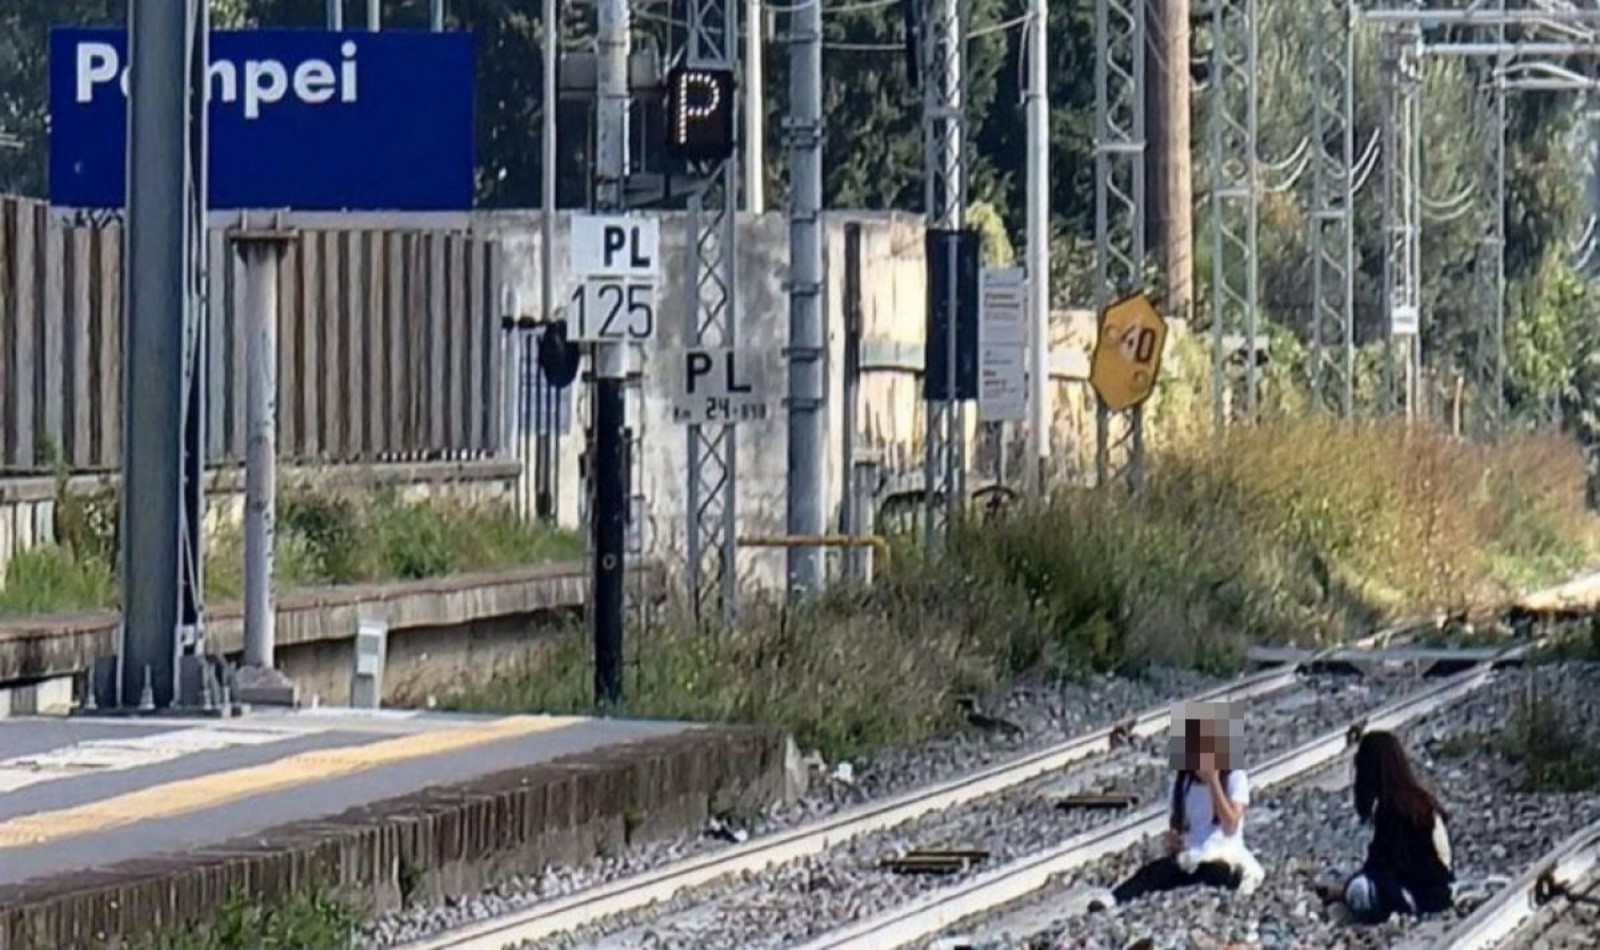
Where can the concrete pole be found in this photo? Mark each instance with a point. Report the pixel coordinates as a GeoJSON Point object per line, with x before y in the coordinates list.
{"type": "Point", "coordinates": [1168, 169]}
{"type": "Point", "coordinates": [259, 265]}
{"type": "Point", "coordinates": [257, 254]}
{"type": "Point", "coordinates": [807, 336]}
{"type": "Point", "coordinates": [755, 126]}
{"type": "Point", "coordinates": [436, 15]}
{"type": "Point", "coordinates": [335, 10]}
{"type": "Point", "coordinates": [374, 15]}
{"type": "Point", "coordinates": [152, 397]}
{"type": "Point", "coordinates": [1038, 250]}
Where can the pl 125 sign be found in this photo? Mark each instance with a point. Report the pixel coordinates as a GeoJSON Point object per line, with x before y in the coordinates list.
{"type": "Point", "coordinates": [614, 258]}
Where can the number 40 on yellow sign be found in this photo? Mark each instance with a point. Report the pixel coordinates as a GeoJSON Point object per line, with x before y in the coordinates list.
{"type": "Point", "coordinates": [1127, 352]}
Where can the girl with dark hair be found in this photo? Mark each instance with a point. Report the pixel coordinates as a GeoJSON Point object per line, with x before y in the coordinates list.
{"type": "Point", "coordinates": [1408, 866]}
{"type": "Point", "coordinates": [1205, 836]}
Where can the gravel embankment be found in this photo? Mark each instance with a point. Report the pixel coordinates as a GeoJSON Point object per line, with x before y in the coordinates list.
{"type": "Point", "coordinates": [1047, 713]}
{"type": "Point", "coordinates": [1303, 830]}
{"type": "Point", "coordinates": [810, 897]}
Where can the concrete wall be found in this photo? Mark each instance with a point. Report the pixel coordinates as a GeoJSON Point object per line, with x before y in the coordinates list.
{"type": "Point", "coordinates": [893, 293]}
{"type": "Point", "coordinates": [890, 411]}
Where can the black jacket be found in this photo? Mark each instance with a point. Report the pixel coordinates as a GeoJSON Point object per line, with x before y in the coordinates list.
{"type": "Point", "coordinates": [1416, 859]}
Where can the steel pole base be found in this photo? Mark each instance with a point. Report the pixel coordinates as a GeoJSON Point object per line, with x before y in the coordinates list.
{"type": "Point", "coordinates": [205, 690]}
{"type": "Point", "coordinates": [262, 686]}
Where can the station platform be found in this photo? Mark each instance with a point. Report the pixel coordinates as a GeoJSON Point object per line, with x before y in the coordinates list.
{"type": "Point", "coordinates": [121, 827]}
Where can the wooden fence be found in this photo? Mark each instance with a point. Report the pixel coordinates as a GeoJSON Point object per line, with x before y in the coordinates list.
{"type": "Point", "coordinates": [389, 345]}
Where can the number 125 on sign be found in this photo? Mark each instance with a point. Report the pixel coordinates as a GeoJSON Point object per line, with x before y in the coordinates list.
{"type": "Point", "coordinates": [612, 310]}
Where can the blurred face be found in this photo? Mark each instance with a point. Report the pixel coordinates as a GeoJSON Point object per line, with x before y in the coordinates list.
{"type": "Point", "coordinates": [1206, 757]}
{"type": "Point", "coordinates": [1206, 736]}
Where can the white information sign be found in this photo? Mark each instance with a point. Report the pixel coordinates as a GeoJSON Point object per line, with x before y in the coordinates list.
{"type": "Point", "coordinates": [615, 264]}
{"type": "Point", "coordinates": [1404, 320]}
{"type": "Point", "coordinates": [1003, 345]}
{"type": "Point", "coordinates": [721, 386]}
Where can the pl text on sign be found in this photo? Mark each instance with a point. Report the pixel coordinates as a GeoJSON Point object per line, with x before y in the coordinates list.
{"type": "Point", "coordinates": [1127, 353]}
{"type": "Point", "coordinates": [722, 386]}
{"type": "Point", "coordinates": [1003, 345]}
{"type": "Point", "coordinates": [301, 119]}
{"type": "Point", "coordinates": [615, 262]}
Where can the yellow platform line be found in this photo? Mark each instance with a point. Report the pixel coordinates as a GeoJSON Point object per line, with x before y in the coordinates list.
{"type": "Point", "coordinates": [208, 791]}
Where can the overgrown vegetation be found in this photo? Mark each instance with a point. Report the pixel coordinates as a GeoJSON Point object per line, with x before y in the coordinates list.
{"type": "Point", "coordinates": [1295, 531]}
{"type": "Point", "coordinates": [1553, 752]}
{"type": "Point", "coordinates": [324, 536]}
{"type": "Point", "coordinates": [313, 920]}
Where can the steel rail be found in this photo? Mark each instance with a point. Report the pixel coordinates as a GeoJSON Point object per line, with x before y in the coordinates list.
{"type": "Point", "coordinates": [930, 915]}
{"type": "Point", "coordinates": [1507, 911]}
{"type": "Point", "coordinates": [548, 918]}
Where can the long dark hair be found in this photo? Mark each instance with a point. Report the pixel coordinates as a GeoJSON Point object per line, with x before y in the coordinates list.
{"type": "Point", "coordinates": [1384, 776]}
{"type": "Point", "coordinates": [1187, 777]}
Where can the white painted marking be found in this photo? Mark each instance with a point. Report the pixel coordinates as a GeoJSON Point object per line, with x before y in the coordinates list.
{"type": "Point", "coordinates": [94, 756]}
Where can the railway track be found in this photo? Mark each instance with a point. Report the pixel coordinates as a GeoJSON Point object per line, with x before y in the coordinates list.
{"type": "Point", "coordinates": [918, 922]}
{"type": "Point", "coordinates": [670, 906]}
{"type": "Point", "coordinates": [1305, 830]}
{"type": "Point", "coordinates": [551, 918]}
{"type": "Point", "coordinates": [1010, 808]}
{"type": "Point", "coordinates": [1554, 902]}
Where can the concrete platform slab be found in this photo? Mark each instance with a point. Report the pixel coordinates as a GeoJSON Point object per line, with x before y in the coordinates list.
{"type": "Point", "coordinates": [131, 825]}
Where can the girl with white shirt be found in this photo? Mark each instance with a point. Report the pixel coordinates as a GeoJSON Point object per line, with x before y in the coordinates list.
{"type": "Point", "coordinates": [1207, 818]}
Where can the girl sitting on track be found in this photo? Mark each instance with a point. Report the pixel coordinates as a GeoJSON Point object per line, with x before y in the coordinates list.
{"type": "Point", "coordinates": [1205, 840]}
{"type": "Point", "coordinates": [1408, 867]}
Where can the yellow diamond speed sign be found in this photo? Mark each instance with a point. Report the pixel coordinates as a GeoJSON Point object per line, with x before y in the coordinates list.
{"type": "Point", "coordinates": [1127, 353]}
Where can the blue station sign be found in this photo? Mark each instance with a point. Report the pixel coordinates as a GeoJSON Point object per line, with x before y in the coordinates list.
{"type": "Point", "coordinates": [299, 119]}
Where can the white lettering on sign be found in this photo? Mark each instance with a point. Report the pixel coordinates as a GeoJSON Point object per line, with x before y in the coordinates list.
{"type": "Point", "coordinates": [722, 386]}
{"type": "Point", "coordinates": [614, 246]}
{"type": "Point", "coordinates": [256, 83]}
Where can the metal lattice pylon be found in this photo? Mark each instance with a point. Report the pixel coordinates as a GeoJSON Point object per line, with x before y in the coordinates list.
{"type": "Point", "coordinates": [1402, 210]}
{"type": "Point", "coordinates": [942, 46]}
{"type": "Point", "coordinates": [1332, 208]}
{"type": "Point", "coordinates": [1235, 192]}
{"type": "Point", "coordinates": [713, 42]}
{"type": "Point", "coordinates": [1119, 207]}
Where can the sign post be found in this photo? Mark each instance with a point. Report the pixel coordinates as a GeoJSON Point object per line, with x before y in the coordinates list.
{"type": "Point", "coordinates": [614, 260]}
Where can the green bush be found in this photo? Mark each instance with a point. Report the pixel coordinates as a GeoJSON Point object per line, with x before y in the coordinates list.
{"type": "Point", "coordinates": [309, 921]}
{"type": "Point", "coordinates": [850, 670]}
